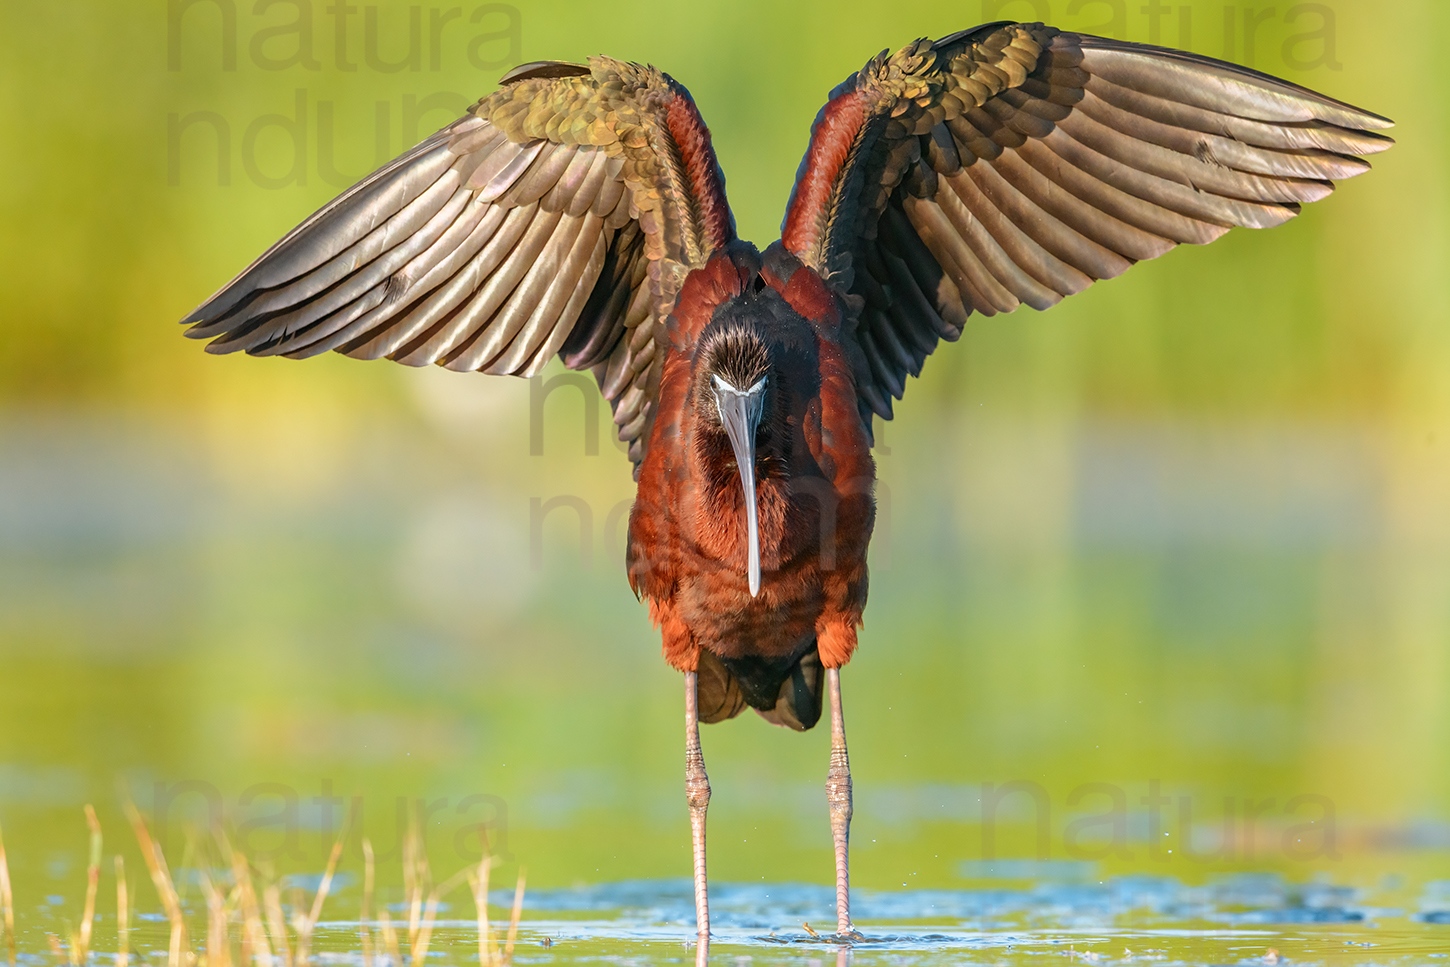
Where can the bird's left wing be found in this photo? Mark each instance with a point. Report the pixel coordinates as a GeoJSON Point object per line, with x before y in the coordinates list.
{"type": "Point", "coordinates": [1016, 164]}
{"type": "Point", "coordinates": [559, 216]}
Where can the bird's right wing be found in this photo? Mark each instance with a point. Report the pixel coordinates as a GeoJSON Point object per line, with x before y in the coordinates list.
{"type": "Point", "coordinates": [559, 216]}
{"type": "Point", "coordinates": [1016, 164]}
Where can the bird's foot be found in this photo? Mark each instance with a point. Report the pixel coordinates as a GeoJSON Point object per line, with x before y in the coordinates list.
{"type": "Point", "coordinates": [847, 937]}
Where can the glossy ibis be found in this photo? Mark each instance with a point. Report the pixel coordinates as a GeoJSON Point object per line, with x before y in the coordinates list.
{"type": "Point", "coordinates": [579, 212]}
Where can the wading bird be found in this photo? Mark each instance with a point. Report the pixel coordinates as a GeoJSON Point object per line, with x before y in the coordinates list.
{"type": "Point", "coordinates": [579, 212]}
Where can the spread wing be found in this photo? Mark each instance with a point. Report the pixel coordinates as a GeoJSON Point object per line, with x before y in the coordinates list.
{"type": "Point", "coordinates": [1016, 164]}
{"type": "Point", "coordinates": [558, 217]}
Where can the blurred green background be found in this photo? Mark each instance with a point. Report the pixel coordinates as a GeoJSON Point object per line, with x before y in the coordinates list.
{"type": "Point", "coordinates": [1186, 535]}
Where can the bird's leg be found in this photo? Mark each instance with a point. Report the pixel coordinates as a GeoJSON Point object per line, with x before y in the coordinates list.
{"type": "Point", "coordinates": [838, 795]}
{"type": "Point", "coordinates": [697, 793]}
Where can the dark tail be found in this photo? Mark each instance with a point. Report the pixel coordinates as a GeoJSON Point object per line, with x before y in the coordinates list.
{"type": "Point", "coordinates": [783, 691]}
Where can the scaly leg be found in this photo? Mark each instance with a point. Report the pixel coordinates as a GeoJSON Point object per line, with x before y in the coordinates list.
{"type": "Point", "coordinates": [697, 793]}
{"type": "Point", "coordinates": [838, 795]}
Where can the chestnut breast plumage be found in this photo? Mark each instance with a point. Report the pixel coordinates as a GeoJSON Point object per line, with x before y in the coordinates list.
{"type": "Point", "coordinates": [812, 468]}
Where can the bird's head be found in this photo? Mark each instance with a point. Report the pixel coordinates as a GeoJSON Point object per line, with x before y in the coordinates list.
{"type": "Point", "coordinates": [754, 369]}
{"type": "Point", "coordinates": [735, 399]}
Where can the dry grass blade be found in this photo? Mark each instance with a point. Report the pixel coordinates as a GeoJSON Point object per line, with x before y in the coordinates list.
{"type": "Point", "coordinates": [415, 878]}
{"type": "Point", "coordinates": [255, 945]}
{"type": "Point", "coordinates": [218, 936]}
{"type": "Point", "coordinates": [430, 915]}
{"type": "Point", "coordinates": [479, 883]}
{"type": "Point", "coordinates": [365, 914]}
{"type": "Point", "coordinates": [309, 925]}
{"type": "Point", "coordinates": [276, 923]}
{"type": "Point", "coordinates": [161, 877]}
{"type": "Point", "coordinates": [508, 947]}
{"type": "Point", "coordinates": [189, 861]}
{"type": "Point", "coordinates": [7, 903]}
{"type": "Point", "coordinates": [325, 886]}
{"type": "Point", "coordinates": [123, 916]}
{"type": "Point", "coordinates": [390, 938]}
{"type": "Point", "coordinates": [412, 895]}
{"type": "Point", "coordinates": [264, 934]}
{"type": "Point", "coordinates": [299, 922]}
{"type": "Point", "coordinates": [80, 946]}
{"type": "Point", "coordinates": [418, 952]}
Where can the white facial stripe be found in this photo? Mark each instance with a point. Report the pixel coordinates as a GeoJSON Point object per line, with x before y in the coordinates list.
{"type": "Point", "coordinates": [753, 399]}
{"type": "Point", "coordinates": [721, 384]}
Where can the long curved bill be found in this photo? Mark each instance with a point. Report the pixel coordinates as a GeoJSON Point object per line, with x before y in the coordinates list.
{"type": "Point", "coordinates": [740, 415]}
